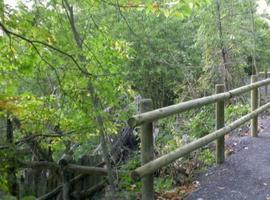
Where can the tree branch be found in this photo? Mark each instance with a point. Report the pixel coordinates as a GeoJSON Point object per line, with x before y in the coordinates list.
{"type": "Point", "coordinates": [33, 42]}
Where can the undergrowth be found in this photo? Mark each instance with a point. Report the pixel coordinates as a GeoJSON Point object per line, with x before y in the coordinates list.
{"type": "Point", "coordinates": [173, 133]}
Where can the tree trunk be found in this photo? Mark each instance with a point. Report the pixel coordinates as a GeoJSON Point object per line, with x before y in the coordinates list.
{"type": "Point", "coordinates": [102, 132]}
{"type": "Point", "coordinates": [94, 97]}
{"type": "Point", "coordinates": [12, 180]}
{"type": "Point", "coordinates": [222, 46]}
{"type": "Point", "coordinates": [253, 30]}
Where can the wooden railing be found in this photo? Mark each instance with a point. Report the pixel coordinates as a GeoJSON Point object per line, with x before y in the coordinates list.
{"type": "Point", "coordinates": [147, 116]}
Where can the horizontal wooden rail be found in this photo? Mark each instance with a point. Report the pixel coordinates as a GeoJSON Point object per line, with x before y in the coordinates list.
{"type": "Point", "coordinates": [153, 115]}
{"type": "Point", "coordinates": [263, 73]}
{"type": "Point", "coordinates": [164, 160]}
{"type": "Point", "coordinates": [86, 169]}
{"type": "Point", "coordinates": [69, 167]}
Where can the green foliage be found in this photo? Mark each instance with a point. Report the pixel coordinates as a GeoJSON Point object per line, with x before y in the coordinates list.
{"type": "Point", "coordinates": [233, 112]}
{"type": "Point", "coordinates": [9, 197]}
{"type": "Point", "coordinates": [168, 51]}
{"type": "Point", "coordinates": [3, 182]}
{"type": "Point", "coordinates": [45, 88]}
{"type": "Point", "coordinates": [169, 137]}
{"type": "Point", "coordinates": [178, 9]}
{"type": "Point", "coordinates": [263, 41]}
{"type": "Point", "coordinates": [202, 123]}
{"type": "Point", "coordinates": [29, 198]}
{"type": "Point", "coordinates": [164, 184]}
{"type": "Point", "coordinates": [236, 27]}
{"type": "Point", "coordinates": [207, 157]}
{"type": "Point", "coordinates": [126, 183]}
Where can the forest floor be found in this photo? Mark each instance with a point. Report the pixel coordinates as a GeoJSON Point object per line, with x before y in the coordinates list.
{"type": "Point", "coordinates": [244, 175]}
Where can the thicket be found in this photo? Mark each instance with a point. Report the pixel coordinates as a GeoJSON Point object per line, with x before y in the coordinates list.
{"type": "Point", "coordinates": [73, 72]}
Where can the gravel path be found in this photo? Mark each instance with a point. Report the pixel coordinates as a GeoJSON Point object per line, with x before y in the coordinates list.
{"type": "Point", "coordinates": [244, 175]}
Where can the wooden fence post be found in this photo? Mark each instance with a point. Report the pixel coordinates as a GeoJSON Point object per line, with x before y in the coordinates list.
{"type": "Point", "coordinates": [254, 106]}
{"type": "Point", "coordinates": [220, 124]}
{"type": "Point", "coordinates": [147, 151]}
{"type": "Point", "coordinates": [266, 86]}
{"type": "Point", "coordinates": [66, 176]}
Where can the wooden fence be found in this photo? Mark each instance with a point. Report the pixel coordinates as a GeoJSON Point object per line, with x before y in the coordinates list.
{"type": "Point", "coordinates": [147, 116]}
{"type": "Point", "coordinates": [77, 180]}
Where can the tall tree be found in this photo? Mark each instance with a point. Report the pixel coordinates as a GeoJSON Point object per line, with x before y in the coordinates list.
{"type": "Point", "coordinates": [252, 10]}
{"type": "Point", "coordinates": [224, 64]}
{"type": "Point", "coordinates": [96, 102]}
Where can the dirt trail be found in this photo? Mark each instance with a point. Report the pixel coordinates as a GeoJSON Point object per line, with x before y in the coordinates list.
{"type": "Point", "coordinates": [244, 175]}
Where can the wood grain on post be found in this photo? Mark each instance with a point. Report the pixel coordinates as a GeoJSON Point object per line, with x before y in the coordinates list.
{"type": "Point", "coordinates": [147, 151]}
{"type": "Point", "coordinates": [254, 106]}
{"type": "Point", "coordinates": [220, 124]}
